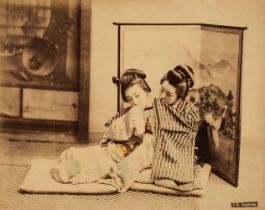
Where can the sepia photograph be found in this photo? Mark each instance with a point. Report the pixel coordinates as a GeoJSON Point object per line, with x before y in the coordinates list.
{"type": "Point", "coordinates": [127, 104]}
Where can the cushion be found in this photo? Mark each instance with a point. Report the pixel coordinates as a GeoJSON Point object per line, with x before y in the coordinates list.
{"type": "Point", "coordinates": [38, 180]}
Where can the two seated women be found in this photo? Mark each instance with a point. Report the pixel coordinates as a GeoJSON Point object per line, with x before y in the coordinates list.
{"type": "Point", "coordinates": [151, 133]}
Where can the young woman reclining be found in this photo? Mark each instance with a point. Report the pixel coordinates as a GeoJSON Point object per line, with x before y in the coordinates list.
{"type": "Point", "coordinates": [126, 131]}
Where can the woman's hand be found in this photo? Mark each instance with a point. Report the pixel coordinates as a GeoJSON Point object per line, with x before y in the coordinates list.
{"type": "Point", "coordinates": [215, 125]}
{"type": "Point", "coordinates": [136, 120]}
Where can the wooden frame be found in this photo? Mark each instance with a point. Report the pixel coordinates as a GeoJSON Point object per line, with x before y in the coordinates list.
{"type": "Point", "coordinates": [148, 46]}
{"type": "Point", "coordinates": [84, 76]}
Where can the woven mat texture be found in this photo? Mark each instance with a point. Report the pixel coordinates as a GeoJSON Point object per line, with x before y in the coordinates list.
{"type": "Point", "coordinates": [11, 176]}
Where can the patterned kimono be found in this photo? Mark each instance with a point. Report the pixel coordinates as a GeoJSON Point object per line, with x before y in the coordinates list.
{"type": "Point", "coordinates": [89, 164]}
{"type": "Point", "coordinates": [119, 140]}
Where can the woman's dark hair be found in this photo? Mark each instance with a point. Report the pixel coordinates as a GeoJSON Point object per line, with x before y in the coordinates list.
{"type": "Point", "coordinates": [131, 77]}
{"type": "Point", "coordinates": [181, 77]}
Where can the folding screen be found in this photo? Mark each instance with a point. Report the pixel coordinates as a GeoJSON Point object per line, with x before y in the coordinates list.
{"type": "Point", "coordinates": [215, 54]}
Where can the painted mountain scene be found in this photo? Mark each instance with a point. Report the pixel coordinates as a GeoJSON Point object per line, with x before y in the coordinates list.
{"type": "Point", "coordinates": [216, 94]}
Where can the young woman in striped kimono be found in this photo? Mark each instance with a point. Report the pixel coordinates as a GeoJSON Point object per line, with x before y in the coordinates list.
{"type": "Point", "coordinates": [177, 126]}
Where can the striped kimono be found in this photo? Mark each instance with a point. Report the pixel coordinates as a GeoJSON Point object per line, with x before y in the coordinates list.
{"type": "Point", "coordinates": [176, 129]}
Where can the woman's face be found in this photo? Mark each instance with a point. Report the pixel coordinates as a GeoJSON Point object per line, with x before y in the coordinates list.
{"type": "Point", "coordinates": [168, 93]}
{"type": "Point", "coordinates": [136, 95]}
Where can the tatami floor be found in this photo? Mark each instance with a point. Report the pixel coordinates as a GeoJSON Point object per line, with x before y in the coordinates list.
{"type": "Point", "coordinates": [219, 194]}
